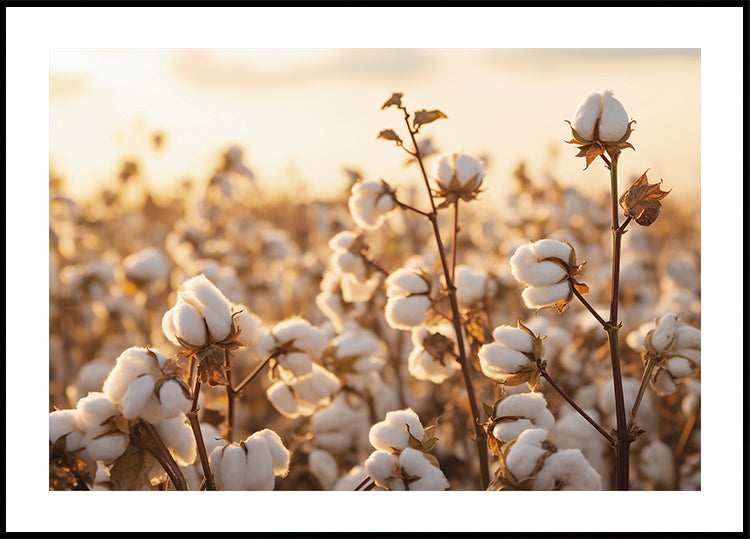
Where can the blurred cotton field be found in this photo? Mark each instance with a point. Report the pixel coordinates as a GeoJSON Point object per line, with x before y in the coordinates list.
{"type": "Point", "coordinates": [385, 334]}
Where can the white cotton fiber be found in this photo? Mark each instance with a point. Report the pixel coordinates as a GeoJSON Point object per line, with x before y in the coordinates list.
{"type": "Point", "coordinates": [93, 409]}
{"type": "Point", "coordinates": [587, 114]}
{"type": "Point", "coordinates": [547, 295]}
{"type": "Point", "coordinates": [406, 281]}
{"type": "Point", "coordinates": [614, 121]}
{"type": "Point", "coordinates": [501, 359]}
{"type": "Point", "coordinates": [279, 453]}
{"type": "Point", "coordinates": [250, 326]}
{"type": "Point", "coordinates": [281, 397]}
{"type": "Point", "coordinates": [570, 468]}
{"type": "Point", "coordinates": [687, 337]}
{"type": "Point", "coordinates": [62, 422]}
{"type": "Point", "coordinates": [188, 324]}
{"type": "Point", "coordinates": [137, 396]}
{"type": "Point", "coordinates": [324, 467]}
{"type": "Point", "coordinates": [381, 467]}
{"type": "Point", "coordinates": [405, 313]}
{"type": "Point", "coordinates": [173, 400]}
{"type": "Point", "coordinates": [258, 473]}
{"type": "Point", "coordinates": [514, 338]}
{"type": "Point", "coordinates": [547, 248]}
{"type": "Point", "coordinates": [656, 462]}
{"type": "Point", "coordinates": [232, 468]}
{"type": "Point", "coordinates": [178, 436]}
{"type": "Point", "coordinates": [679, 367]}
{"type": "Point", "coordinates": [523, 456]}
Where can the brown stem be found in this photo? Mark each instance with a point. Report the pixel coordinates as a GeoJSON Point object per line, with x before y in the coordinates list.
{"type": "Point", "coordinates": [254, 373]}
{"type": "Point", "coordinates": [192, 416]}
{"type": "Point", "coordinates": [479, 434]}
{"type": "Point", "coordinates": [409, 207]}
{"type": "Point", "coordinates": [229, 427]}
{"type": "Point", "coordinates": [374, 264]}
{"type": "Point", "coordinates": [569, 400]}
{"type": "Point", "coordinates": [363, 483]}
{"type": "Point", "coordinates": [454, 240]}
{"type": "Point", "coordinates": [589, 307]}
{"type": "Point", "coordinates": [645, 379]}
{"type": "Point", "coordinates": [623, 439]}
{"type": "Point", "coordinates": [161, 459]}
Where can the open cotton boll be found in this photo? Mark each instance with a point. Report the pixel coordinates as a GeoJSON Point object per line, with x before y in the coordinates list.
{"type": "Point", "coordinates": [392, 434]}
{"type": "Point", "coordinates": [64, 423]}
{"type": "Point", "coordinates": [455, 171]}
{"type": "Point", "coordinates": [258, 473]}
{"type": "Point", "coordinates": [570, 469]}
{"type": "Point", "coordinates": [663, 383]}
{"type": "Point", "coordinates": [687, 337]}
{"type": "Point", "coordinates": [414, 464]}
{"type": "Point", "coordinates": [664, 332]}
{"type": "Point", "coordinates": [230, 467]}
{"type": "Point", "coordinates": [355, 343]}
{"type": "Point", "coordinates": [405, 281]}
{"type": "Point", "coordinates": [526, 267]}
{"type": "Point", "coordinates": [353, 289]}
{"type": "Point", "coordinates": [500, 362]}
{"type": "Point", "coordinates": [146, 265]}
{"type": "Point", "coordinates": [323, 466]}
{"type": "Point", "coordinates": [137, 396]}
{"type": "Point", "coordinates": [406, 312]}
{"type": "Point", "coordinates": [279, 453]}
{"type": "Point", "coordinates": [303, 335]}
{"type": "Point", "coordinates": [92, 410]}
{"type": "Point", "coordinates": [281, 397]}
{"type": "Point", "coordinates": [587, 114]}
{"type": "Point", "coordinates": [514, 338]}
{"type": "Point", "coordinates": [107, 448]}
{"type": "Point", "coordinates": [382, 466]}
{"type": "Point", "coordinates": [525, 452]}
{"type": "Point", "coordinates": [173, 399]}
{"type": "Point", "coordinates": [178, 436]}
{"type": "Point", "coordinates": [546, 248]}
{"type": "Point", "coordinates": [535, 297]}
{"type": "Point", "coordinates": [471, 285]}
{"type": "Point", "coordinates": [296, 362]}
{"type": "Point", "coordinates": [656, 462]}
{"type": "Point", "coordinates": [212, 437]}
{"type": "Point", "coordinates": [250, 326]}
{"type": "Point", "coordinates": [531, 411]}
{"type": "Point", "coordinates": [614, 121]}
{"type": "Point", "coordinates": [679, 367]}
{"type": "Point", "coordinates": [132, 363]}
{"type": "Point", "coordinates": [369, 204]}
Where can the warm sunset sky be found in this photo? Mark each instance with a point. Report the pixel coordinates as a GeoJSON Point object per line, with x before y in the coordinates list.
{"type": "Point", "coordinates": [302, 114]}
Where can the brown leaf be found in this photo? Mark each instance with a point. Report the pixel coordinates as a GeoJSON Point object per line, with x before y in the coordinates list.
{"type": "Point", "coordinates": [641, 200]}
{"type": "Point", "coordinates": [477, 326]}
{"type": "Point", "coordinates": [394, 100]}
{"type": "Point", "coordinates": [130, 470]}
{"type": "Point", "coordinates": [390, 134]}
{"type": "Point", "coordinates": [581, 288]}
{"type": "Point", "coordinates": [422, 117]}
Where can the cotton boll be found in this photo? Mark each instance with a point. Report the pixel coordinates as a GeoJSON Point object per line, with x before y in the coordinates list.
{"type": "Point", "coordinates": [414, 463]}
{"type": "Point", "coordinates": [569, 468]}
{"type": "Point", "coordinates": [218, 321]}
{"type": "Point", "coordinates": [304, 336]}
{"type": "Point", "coordinates": [369, 204]}
{"type": "Point", "coordinates": [514, 338]}
{"type": "Point", "coordinates": [381, 466]}
{"type": "Point", "coordinates": [679, 367]}
{"type": "Point", "coordinates": [656, 462]}
{"type": "Point", "coordinates": [281, 397]}
{"type": "Point", "coordinates": [212, 437]}
{"type": "Point", "coordinates": [63, 423]}
{"type": "Point", "coordinates": [258, 473]}
{"type": "Point", "coordinates": [406, 312]}
{"type": "Point", "coordinates": [349, 481]}
{"type": "Point", "coordinates": [664, 333]}
{"type": "Point", "coordinates": [522, 458]}
{"type": "Point", "coordinates": [527, 267]}
{"type": "Point", "coordinates": [146, 265]}
{"type": "Point", "coordinates": [178, 436]}
{"type": "Point", "coordinates": [392, 434]}
{"type": "Point", "coordinates": [355, 343]}
{"type": "Point", "coordinates": [406, 281]}
{"type": "Point", "coordinates": [587, 114]}
{"type": "Point", "coordinates": [137, 396]}
{"type": "Point", "coordinates": [530, 408]}
{"type": "Point", "coordinates": [107, 448]}
{"type": "Point", "coordinates": [250, 326]}
{"type": "Point", "coordinates": [663, 383]}
{"type": "Point", "coordinates": [188, 324]}
{"type": "Point", "coordinates": [132, 363]}
{"type": "Point", "coordinates": [546, 248]}
{"type": "Point", "coordinates": [323, 466]}
{"type": "Point", "coordinates": [687, 337]}
{"type": "Point", "coordinates": [173, 399]}
{"type": "Point", "coordinates": [232, 467]}
{"type": "Point", "coordinates": [536, 297]}
{"type": "Point", "coordinates": [470, 285]}
{"type": "Point", "coordinates": [296, 362]}
{"type": "Point", "coordinates": [92, 410]}
{"type": "Point", "coordinates": [614, 121]}
{"type": "Point", "coordinates": [499, 362]}
{"type": "Point", "coordinates": [279, 453]}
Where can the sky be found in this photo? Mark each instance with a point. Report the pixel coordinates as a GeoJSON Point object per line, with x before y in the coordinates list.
{"type": "Point", "coordinates": [302, 115]}
{"type": "Point", "coordinates": [32, 34]}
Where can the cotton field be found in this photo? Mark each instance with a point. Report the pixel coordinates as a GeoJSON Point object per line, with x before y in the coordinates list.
{"type": "Point", "coordinates": [387, 338]}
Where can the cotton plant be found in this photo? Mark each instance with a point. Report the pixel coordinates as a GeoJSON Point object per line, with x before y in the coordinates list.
{"type": "Point", "coordinates": [358, 280]}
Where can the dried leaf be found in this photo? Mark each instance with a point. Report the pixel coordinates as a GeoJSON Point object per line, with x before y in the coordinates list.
{"type": "Point", "coordinates": [394, 100]}
{"type": "Point", "coordinates": [581, 288]}
{"type": "Point", "coordinates": [130, 470]}
{"type": "Point", "coordinates": [390, 134]}
{"type": "Point", "coordinates": [592, 152]}
{"type": "Point", "coordinates": [477, 326]}
{"type": "Point", "coordinates": [422, 117]}
{"type": "Point", "coordinates": [641, 200]}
